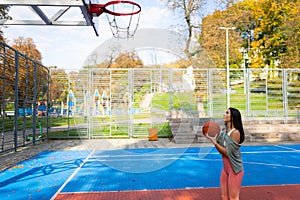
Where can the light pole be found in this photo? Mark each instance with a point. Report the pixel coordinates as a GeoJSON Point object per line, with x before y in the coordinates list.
{"type": "Point", "coordinates": [227, 64]}
{"type": "Point", "coordinates": [245, 56]}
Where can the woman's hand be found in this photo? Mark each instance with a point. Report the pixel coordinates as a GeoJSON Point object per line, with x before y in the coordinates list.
{"type": "Point", "coordinates": [212, 139]}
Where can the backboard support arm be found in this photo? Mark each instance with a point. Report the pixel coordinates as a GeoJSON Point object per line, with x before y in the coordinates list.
{"type": "Point", "coordinates": [62, 7]}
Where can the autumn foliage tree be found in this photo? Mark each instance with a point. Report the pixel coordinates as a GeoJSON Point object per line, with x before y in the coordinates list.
{"type": "Point", "coordinates": [127, 60]}
{"type": "Point", "coordinates": [27, 47]}
{"type": "Point", "coordinates": [20, 67]}
{"type": "Point", "coordinates": [268, 30]}
{"type": "Point", "coordinates": [59, 85]}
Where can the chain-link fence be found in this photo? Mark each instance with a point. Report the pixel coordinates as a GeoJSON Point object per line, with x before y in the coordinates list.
{"type": "Point", "coordinates": [23, 99]}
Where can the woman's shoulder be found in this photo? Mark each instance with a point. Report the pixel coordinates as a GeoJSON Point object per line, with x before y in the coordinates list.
{"type": "Point", "coordinates": [235, 135]}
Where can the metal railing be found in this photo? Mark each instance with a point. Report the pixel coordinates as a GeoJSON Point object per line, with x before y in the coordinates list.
{"type": "Point", "coordinates": [24, 94]}
{"type": "Point", "coordinates": [107, 102]}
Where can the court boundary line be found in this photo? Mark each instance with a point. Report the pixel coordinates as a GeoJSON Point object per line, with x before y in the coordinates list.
{"type": "Point", "coordinates": [153, 159]}
{"type": "Point", "coordinates": [181, 156]}
{"type": "Point", "coordinates": [188, 154]}
{"type": "Point", "coordinates": [71, 177]}
{"type": "Point", "coordinates": [284, 147]}
{"type": "Point", "coordinates": [270, 164]}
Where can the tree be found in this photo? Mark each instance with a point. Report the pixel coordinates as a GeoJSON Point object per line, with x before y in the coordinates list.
{"type": "Point", "coordinates": [269, 34]}
{"type": "Point", "coordinates": [291, 26]}
{"type": "Point", "coordinates": [29, 50]}
{"type": "Point", "coordinates": [127, 60]}
{"type": "Point", "coordinates": [192, 12]}
{"type": "Point", "coordinates": [59, 86]}
{"type": "Point", "coordinates": [213, 39]}
{"type": "Point", "coordinates": [189, 9]}
{"type": "Point", "coordinates": [268, 30]}
{"type": "Point", "coordinates": [181, 63]}
{"type": "Point", "coordinates": [3, 15]}
{"type": "Point", "coordinates": [27, 47]}
{"type": "Point", "coordinates": [274, 37]}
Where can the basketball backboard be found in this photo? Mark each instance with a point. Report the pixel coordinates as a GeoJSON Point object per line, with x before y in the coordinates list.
{"type": "Point", "coordinates": [61, 7]}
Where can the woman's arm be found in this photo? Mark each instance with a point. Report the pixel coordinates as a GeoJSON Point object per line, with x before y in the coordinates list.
{"type": "Point", "coordinates": [221, 149]}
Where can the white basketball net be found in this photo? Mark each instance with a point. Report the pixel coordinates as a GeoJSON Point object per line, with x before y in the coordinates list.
{"type": "Point", "coordinates": [123, 27]}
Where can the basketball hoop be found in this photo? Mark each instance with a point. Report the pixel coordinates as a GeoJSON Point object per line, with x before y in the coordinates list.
{"type": "Point", "coordinates": [121, 15]}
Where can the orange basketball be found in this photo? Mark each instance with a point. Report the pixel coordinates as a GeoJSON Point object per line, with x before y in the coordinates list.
{"type": "Point", "coordinates": [211, 128]}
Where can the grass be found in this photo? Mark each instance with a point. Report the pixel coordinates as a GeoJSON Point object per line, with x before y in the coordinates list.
{"type": "Point", "coordinates": [181, 101]}
{"type": "Point", "coordinates": [27, 122]}
{"type": "Point", "coordinates": [117, 131]}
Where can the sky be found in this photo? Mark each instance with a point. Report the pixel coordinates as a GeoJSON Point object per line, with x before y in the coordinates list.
{"type": "Point", "coordinates": [68, 46]}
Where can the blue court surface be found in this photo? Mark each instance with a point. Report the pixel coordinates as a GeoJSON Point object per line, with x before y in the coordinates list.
{"type": "Point", "coordinates": [49, 173]}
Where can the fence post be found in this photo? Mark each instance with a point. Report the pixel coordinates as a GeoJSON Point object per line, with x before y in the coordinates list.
{"type": "Point", "coordinates": [48, 100]}
{"type": "Point", "coordinates": [171, 92]}
{"type": "Point", "coordinates": [130, 99]}
{"type": "Point", "coordinates": [210, 93]}
{"type": "Point", "coordinates": [285, 95]}
{"type": "Point", "coordinates": [248, 96]}
{"type": "Point", "coordinates": [34, 104]}
{"type": "Point", "coordinates": [16, 112]}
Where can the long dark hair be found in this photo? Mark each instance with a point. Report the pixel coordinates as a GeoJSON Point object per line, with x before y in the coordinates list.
{"type": "Point", "coordinates": [236, 121]}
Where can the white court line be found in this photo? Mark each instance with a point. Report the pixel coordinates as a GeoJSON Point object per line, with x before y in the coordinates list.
{"type": "Point", "coordinates": [275, 165]}
{"type": "Point", "coordinates": [150, 159]}
{"type": "Point", "coordinates": [283, 147]}
{"type": "Point", "coordinates": [162, 157]}
{"type": "Point", "coordinates": [182, 154]}
{"type": "Point", "coordinates": [70, 178]}
{"type": "Point", "coordinates": [150, 154]}
{"type": "Point", "coordinates": [266, 152]}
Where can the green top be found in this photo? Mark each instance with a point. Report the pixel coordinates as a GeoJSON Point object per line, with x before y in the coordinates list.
{"type": "Point", "coordinates": [232, 150]}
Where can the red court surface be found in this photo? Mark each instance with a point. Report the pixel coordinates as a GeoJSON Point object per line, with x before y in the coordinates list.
{"type": "Point", "coordinates": [282, 192]}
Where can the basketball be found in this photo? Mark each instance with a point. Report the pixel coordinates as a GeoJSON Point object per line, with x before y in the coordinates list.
{"type": "Point", "coordinates": [211, 128]}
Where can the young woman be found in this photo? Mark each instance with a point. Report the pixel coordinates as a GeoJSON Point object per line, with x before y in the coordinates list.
{"type": "Point", "coordinates": [228, 144]}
